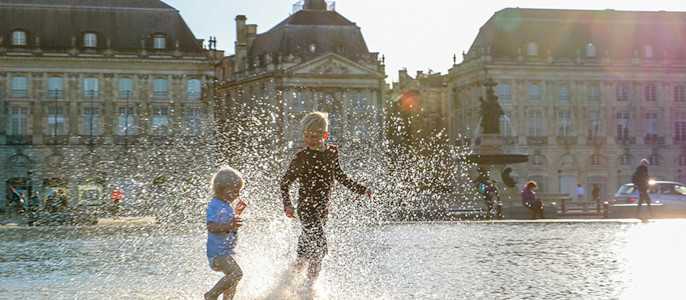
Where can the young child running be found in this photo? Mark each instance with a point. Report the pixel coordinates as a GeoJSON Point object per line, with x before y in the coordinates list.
{"type": "Point", "coordinates": [221, 236]}
{"type": "Point", "coordinates": [316, 166]}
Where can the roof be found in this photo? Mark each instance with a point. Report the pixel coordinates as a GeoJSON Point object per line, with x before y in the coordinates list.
{"type": "Point", "coordinates": [614, 33]}
{"type": "Point", "coordinates": [124, 22]}
{"type": "Point", "coordinates": [328, 30]}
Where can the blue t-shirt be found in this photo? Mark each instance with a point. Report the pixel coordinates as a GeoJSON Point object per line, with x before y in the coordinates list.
{"type": "Point", "coordinates": [219, 244]}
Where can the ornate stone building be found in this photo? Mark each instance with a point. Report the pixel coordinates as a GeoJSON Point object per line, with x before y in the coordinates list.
{"type": "Point", "coordinates": [587, 94]}
{"type": "Point", "coordinates": [313, 60]}
{"type": "Point", "coordinates": [96, 94]}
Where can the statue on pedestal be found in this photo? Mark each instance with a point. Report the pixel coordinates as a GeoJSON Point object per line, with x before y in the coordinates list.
{"type": "Point", "coordinates": [490, 109]}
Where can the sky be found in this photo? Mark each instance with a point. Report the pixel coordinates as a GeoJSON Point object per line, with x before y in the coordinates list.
{"type": "Point", "coordinates": [416, 35]}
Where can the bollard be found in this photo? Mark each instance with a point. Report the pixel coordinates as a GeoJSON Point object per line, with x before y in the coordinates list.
{"type": "Point", "coordinates": [499, 210]}
{"type": "Point", "coordinates": [606, 208]}
{"type": "Point", "coordinates": [563, 207]}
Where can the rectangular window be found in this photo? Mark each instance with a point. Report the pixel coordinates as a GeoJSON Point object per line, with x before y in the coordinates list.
{"type": "Point", "coordinates": [160, 121]}
{"type": "Point", "coordinates": [506, 130]}
{"type": "Point", "coordinates": [680, 128]}
{"type": "Point", "coordinates": [159, 42]}
{"type": "Point", "coordinates": [622, 125]}
{"type": "Point", "coordinates": [193, 121]}
{"type": "Point", "coordinates": [90, 40]}
{"type": "Point", "coordinates": [536, 124]}
{"type": "Point", "coordinates": [56, 121]}
{"type": "Point", "coordinates": [622, 93]}
{"type": "Point", "coordinates": [564, 123]}
{"type": "Point", "coordinates": [593, 123]}
{"type": "Point", "coordinates": [594, 93]}
{"type": "Point", "coordinates": [91, 120]}
{"type": "Point", "coordinates": [534, 92]}
{"type": "Point", "coordinates": [125, 87]}
{"type": "Point", "coordinates": [19, 86]}
{"type": "Point", "coordinates": [18, 120]}
{"type": "Point", "coordinates": [648, 51]}
{"type": "Point", "coordinates": [563, 93]}
{"type": "Point", "coordinates": [679, 94]}
{"type": "Point", "coordinates": [651, 125]}
{"type": "Point", "coordinates": [650, 93]}
{"type": "Point", "coordinates": [299, 100]}
{"type": "Point", "coordinates": [55, 87]}
{"type": "Point", "coordinates": [19, 38]}
{"type": "Point", "coordinates": [159, 88]}
{"type": "Point", "coordinates": [505, 93]}
{"type": "Point", "coordinates": [90, 87]}
{"type": "Point", "coordinates": [193, 90]}
{"type": "Point", "coordinates": [360, 100]}
{"type": "Point", "coordinates": [125, 124]}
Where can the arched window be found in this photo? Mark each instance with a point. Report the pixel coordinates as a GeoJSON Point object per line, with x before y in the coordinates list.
{"type": "Point", "coordinates": [567, 161]}
{"type": "Point", "coordinates": [531, 49]}
{"type": "Point", "coordinates": [90, 40]}
{"type": "Point", "coordinates": [537, 160]}
{"type": "Point", "coordinates": [596, 160]}
{"type": "Point", "coordinates": [590, 50]}
{"type": "Point", "coordinates": [18, 38]}
{"type": "Point", "coordinates": [648, 51]}
{"type": "Point", "coordinates": [654, 160]}
{"type": "Point", "coordinates": [159, 41]}
{"type": "Point", "coordinates": [625, 159]}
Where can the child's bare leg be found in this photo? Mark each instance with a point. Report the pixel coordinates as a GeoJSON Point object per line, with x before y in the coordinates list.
{"type": "Point", "coordinates": [314, 268]}
{"type": "Point", "coordinates": [228, 283]}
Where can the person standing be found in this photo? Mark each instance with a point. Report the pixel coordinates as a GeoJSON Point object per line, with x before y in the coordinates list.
{"type": "Point", "coordinates": [117, 198]}
{"type": "Point", "coordinates": [491, 193]}
{"type": "Point", "coordinates": [63, 201]}
{"type": "Point", "coordinates": [316, 167]}
{"type": "Point", "coordinates": [641, 179]}
{"type": "Point", "coordinates": [51, 201]}
{"type": "Point", "coordinates": [530, 200]}
{"type": "Point", "coordinates": [580, 192]}
{"type": "Point", "coordinates": [595, 193]}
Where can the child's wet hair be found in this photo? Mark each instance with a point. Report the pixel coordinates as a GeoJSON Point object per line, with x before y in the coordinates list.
{"type": "Point", "coordinates": [317, 121]}
{"type": "Point", "coordinates": [227, 178]}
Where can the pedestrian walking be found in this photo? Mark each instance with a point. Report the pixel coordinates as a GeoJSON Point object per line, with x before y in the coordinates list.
{"type": "Point", "coordinates": [641, 179]}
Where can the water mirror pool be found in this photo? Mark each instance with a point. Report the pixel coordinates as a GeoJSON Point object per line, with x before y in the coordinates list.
{"type": "Point", "coordinates": [559, 259]}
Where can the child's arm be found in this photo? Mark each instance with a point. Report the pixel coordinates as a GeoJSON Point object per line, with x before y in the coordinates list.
{"type": "Point", "coordinates": [224, 227]}
{"type": "Point", "coordinates": [346, 181]}
{"type": "Point", "coordinates": [290, 176]}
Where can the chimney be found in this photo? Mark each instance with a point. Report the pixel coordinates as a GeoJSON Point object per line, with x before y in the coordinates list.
{"type": "Point", "coordinates": [241, 44]}
{"type": "Point", "coordinates": [315, 5]}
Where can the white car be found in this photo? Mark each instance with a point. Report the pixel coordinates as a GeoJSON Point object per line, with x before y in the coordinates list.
{"type": "Point", "coordinates": [672, 196]}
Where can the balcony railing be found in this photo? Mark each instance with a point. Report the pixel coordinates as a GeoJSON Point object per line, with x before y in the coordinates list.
{"type": "Point", "coordinates": [536, 140]}
{"type": "Point", "coordinates": [653, 139]}
{"type": "Point", "coordinates": [595, 140]}
{"type": "Point", "coordinates": [125, 139]}
{"type": "Point", "coordinates": [56, 139]}
{"type": "Point", "coordinates": [625, 140]}
{"type": "Point", "coordinates": [566, 140]}
{"type": "Point", "coordinates": [91, 140]}
{"type": "Point", "coordinates": [18, 139]}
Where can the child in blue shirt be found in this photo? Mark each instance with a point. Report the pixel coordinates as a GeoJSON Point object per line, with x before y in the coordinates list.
{"type": "Point", "coordinates": [221, 236]}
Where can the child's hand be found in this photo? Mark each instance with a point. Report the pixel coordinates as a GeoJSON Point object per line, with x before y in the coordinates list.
{"type": "Point", "coordinates": [289, 211]}
{"type": "Point", "coordinates": [235, 223]}
{"type": "Point", "coordinates": [368, 193]}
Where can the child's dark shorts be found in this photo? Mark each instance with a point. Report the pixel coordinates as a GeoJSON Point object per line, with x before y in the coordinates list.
{"type": "Point", "coordinates": [312, 240]}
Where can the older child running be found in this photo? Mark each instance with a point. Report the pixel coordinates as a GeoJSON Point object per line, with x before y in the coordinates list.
{"type": "Point", "coordinates": [316, 166]}
{"type": "Point", "coordinates": [221, 236]}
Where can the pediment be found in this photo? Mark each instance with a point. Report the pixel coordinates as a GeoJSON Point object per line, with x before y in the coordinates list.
{"type": "Point", "coordinates": [331, 64]}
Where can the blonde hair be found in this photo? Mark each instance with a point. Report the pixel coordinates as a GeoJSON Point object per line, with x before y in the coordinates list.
{"type": "Point", "coordinates": [227, 178]}
{"type": "Point", "coordinates": [317, 121]}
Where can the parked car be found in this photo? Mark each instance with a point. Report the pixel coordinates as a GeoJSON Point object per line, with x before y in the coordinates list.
{"type": "Point", "coordinates": [672, 196]}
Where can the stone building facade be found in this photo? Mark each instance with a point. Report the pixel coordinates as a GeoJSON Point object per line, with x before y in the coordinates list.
{"type": "Point", "coordinates": [106, 99]}
{"type": "Point", "coordinates": [587, 94]}
{"type": "Point", "coordinates": [315, 59]}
